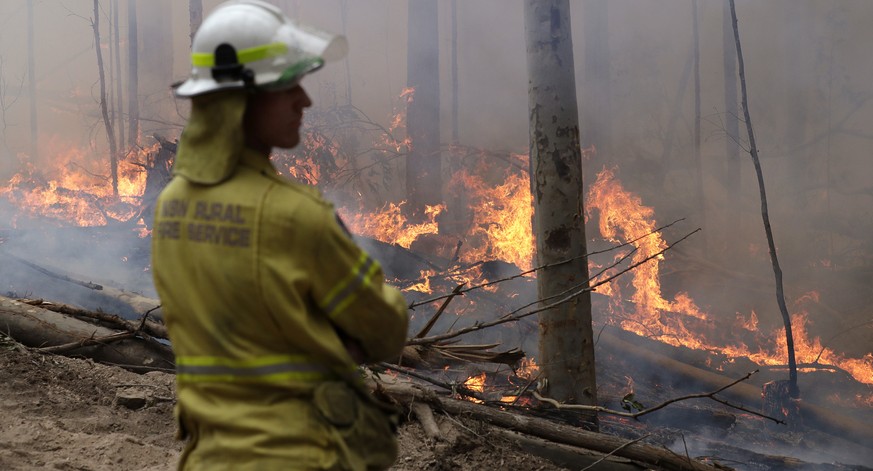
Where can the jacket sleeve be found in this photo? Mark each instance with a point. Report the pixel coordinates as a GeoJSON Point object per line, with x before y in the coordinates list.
{"type": "Point", "coordinates": [349, 287]}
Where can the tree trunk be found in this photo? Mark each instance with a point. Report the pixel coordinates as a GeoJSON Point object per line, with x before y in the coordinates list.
{"type": "Point", "coordinates": [732, 175]}
{"type": "Point", "coordinates": [698, 163]}
{"type": "Point", "coordinates": [132, 75]}
{"type": "Point", "coordinates": [104, 107]}
{"type": "Point", "coordinates": [455, 138]}
{"type": "Point", "coordinates": [423, 163]}
{"type": "Point", "coordinates": [801, 76]}
{"type": "Point", "coordinates": [566, 343]}
{"type": "Point", "coordinates": [777, 270]}
{"type": "Point", "coordinates": [344, 16]}
{"type": "Point", "coordinates": [195, 16]}
{"type": "Point", "coordinates": [31, 82]}
{"type": "Point", "coordinates": [596, 107]}
{"type": "Point", "coordinates": [156, 55]}
{"type": "Point", "coordinates": [119, 105]}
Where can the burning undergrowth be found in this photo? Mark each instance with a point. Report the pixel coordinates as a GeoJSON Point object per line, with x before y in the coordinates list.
{"type": "Point", "coordinates": [478, 244]}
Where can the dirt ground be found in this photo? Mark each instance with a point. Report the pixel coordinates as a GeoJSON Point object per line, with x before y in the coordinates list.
{"type": "Point", "coordinates": [71, 414]}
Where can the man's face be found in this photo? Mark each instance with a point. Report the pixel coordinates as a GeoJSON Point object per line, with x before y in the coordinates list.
{"type": "Point", "coordinates": [273, 118]}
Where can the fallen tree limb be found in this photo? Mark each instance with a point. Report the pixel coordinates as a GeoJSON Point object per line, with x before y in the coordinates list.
{"type": "Point", "coordinates": [40, 328]}
{"type": "Point", "coordinates": [566, 456]}
{"type": "Point", "coordinates": [64, 348]}
{"type": "Point", "coordinates": [542, 428]}
{"type": "Point", "coordinates": [148, 326]}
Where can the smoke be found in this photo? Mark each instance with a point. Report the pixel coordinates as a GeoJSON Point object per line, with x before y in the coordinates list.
{"type": "Point", "coordinates": [807, 68]}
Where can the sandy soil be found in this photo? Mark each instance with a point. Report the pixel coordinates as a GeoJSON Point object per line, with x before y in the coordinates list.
{"type": "Point", "coordinates": [71, 414]}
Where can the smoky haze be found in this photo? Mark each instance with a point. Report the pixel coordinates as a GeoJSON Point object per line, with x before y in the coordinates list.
{"type": "Point", "coordinates": [808, 69]}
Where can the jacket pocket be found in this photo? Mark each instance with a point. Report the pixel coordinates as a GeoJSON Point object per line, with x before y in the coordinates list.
{"type": "Point", "coordinates": [366, 434]}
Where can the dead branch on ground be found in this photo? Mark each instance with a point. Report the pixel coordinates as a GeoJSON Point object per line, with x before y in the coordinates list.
{"type": "Point", "coordinates": [145, 326]}
{"type": "Point", "coordinates": [105, 340]}
{"type": "Point", "coordinates": [542, 428]}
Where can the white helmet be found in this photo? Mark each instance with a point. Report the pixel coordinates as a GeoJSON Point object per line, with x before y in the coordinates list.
{"type": "Point", "coordinates": [250, 43]}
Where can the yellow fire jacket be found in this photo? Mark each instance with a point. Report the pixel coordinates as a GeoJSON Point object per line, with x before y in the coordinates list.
{"type": "Point", "coordinates": [259, 284]}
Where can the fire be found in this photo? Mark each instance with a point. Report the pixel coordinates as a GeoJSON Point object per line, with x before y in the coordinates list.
{"type": "Point", "coordinates": [398, 122]}
{"type": "Point", "coordinates": [501, 219]}
{"type": "Point", "coordinates": [423, 286]}
{"type": "Point", "coordinates": [389, 224]}
{"type": "Point", "coordinates": [500, 227]}
{"type": "Point", "coordinates": [476, 383]}
{"type": "Point", "coordinates": [750, 324]}
{"type": "Point", "coordinates": [76, 188]}
{"type": "Point", "coordinates": [623, 217]}
{"type": "Point", "coordinates": [528, 369]}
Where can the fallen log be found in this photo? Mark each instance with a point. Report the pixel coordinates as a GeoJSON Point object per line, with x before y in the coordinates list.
{"type": "Point", "coordinates": [542, 428]}
{"type": "Point", "coordinates": [40, 328]}
{"type": "Point", "coordinates": [565, 455]}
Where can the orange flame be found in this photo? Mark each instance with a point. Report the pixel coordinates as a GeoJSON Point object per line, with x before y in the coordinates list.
{"type": "Point", "coordinates": [623, 217]}
{"type": "Point", "coordinates": [501, 217]}
{"type": "Point", "coordinates": [389, 225]}
{"type": "Point", "coordinates": [76, 189]}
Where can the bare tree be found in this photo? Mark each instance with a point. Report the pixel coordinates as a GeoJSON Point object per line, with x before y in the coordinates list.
{"type": "Point", "coordinates": [5, 103]}
{"type": "Point", "coordinates": [454, 66]}
{"type": "Point", "coordinates": [566, 337]}
{"type": "Point", "coordinates": [31, 81]}
{"type": "Point", "coordinates": [696, 157]}
{"type": "Point", "coordinates": [424, 163]}
{"type": "Point", "coordinates": [732, 174]}
{"type": "Point", "coordinates": [156, 68]}
{"type": "Point", "coordinates": [119, 102]}
{"type": "Point", "coordinates": [104, 107]}
{"type": "Point", "coordinates": [132, 75]}
{"type": "Point", "coordinates": [596, 92]}
{"type": "Point", "coordinates": [794, 391]}
{"type": "Point", "coordinates": [195, 16]}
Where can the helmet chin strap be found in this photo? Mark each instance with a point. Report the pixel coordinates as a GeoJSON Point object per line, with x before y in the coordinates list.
{"type": "Point", "coordinates": [228, 69]}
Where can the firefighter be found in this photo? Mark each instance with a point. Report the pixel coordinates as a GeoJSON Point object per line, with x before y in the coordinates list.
{"type": "Point", "coordinates": [270, 305]}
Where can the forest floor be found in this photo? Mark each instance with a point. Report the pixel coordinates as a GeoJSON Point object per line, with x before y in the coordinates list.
{"type": "Point", "coordinates": [70, 414]}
